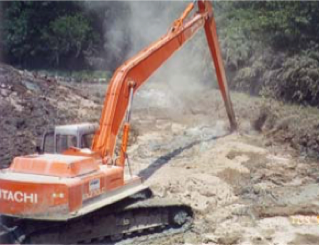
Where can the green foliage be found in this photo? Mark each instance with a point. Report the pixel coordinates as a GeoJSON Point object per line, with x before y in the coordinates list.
{"type": "Point", "coordinates": [284, 25]}
{"type": "Point", "coordinates": [269, 47]}
{"type": "Point", "coordinates": [296, 80]}
{"type": "Point", "coordinates": [272, 49]}
{"type": "Point", "coordinates": [236, 50]}
{"type": "Point", "coordinates": [15, 28]}
{"type": "Point", "coordinates": [299, 79]}
{"type": "Point", "coordinates": [248, 78]}
{"type": "Point", "coordinates": [67, 35]}
{"type": "Point", "coordinates": [33, 31]}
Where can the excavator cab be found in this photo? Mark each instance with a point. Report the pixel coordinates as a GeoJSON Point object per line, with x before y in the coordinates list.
{"type": "Point", "coordinates": [70, 181]}
{"type": "Point", "coordinates": [68, 136]}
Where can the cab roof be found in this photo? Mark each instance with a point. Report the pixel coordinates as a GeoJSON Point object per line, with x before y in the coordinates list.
{"type": "Point", "coordinates": [75, 129]}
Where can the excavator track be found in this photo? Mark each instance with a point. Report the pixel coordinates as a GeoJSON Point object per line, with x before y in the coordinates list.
{"type": "Point", "coordinates": [125, 220]}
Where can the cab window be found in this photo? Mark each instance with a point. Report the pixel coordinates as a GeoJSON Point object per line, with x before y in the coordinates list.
{"type": "Point", "coordinates": [64, 142]}
{"type": "Point", "coordinates": [86, 140]}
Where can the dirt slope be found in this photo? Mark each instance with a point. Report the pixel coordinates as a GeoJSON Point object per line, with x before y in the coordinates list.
{"type": "Point", "coordinates": [29, 105]}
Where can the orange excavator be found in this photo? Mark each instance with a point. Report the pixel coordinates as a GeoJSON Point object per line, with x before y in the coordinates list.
{"type": "Point", "coordinates": [79, 192]}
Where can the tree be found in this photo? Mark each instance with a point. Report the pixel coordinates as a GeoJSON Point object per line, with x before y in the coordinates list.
{"type": "Point", "coordinates": [30, 31]}
{"type": "Point", "coordinates": [284, 25]}
{"type": "Point", "coordinates": [67, 35]}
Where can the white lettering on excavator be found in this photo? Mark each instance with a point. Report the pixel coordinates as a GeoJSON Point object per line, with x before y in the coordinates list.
{"type": "Point", "coordinates": [18, 196]}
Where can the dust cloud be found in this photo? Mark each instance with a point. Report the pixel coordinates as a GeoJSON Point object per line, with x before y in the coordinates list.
{"type": "Point", "coordinates": [140, 23]}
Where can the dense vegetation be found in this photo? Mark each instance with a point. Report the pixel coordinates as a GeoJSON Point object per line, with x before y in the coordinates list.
{"type": "Point", "coordinates": [273, 48]}
{"type": "Point", "coordinates": [50, 34]}
{"type": "Point", "coordinates": [270, 48]}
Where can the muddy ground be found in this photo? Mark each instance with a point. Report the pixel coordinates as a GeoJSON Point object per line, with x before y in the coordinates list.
{"type": "Point", "coordinates": [246, 187]}
{"type": "Point", "coordinates": [256, 186]}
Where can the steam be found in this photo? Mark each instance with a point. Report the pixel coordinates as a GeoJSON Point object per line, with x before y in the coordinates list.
{"type": "Point", "coordinates": [140, 23]}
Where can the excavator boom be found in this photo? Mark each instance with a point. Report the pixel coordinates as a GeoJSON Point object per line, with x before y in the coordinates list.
{"type": "Point", "coordinates": [133, 73]}
{"type": "Point", "coordinates": [73, 196]}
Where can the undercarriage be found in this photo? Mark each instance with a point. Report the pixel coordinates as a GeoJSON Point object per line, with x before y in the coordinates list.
{"type": "Point", "coordinates": [137, 215]}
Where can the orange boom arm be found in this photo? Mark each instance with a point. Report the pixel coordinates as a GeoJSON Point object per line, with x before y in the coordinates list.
{"type": "Point", "coordinates": [133, 73]}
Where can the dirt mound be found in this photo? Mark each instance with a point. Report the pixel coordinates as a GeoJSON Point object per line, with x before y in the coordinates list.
{"type": "Point", "coordinates": [30, 104]}
{"type": "Point", "coordinates": [296, 126]}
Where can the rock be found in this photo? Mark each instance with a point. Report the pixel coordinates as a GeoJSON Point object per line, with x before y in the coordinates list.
{"type": "Point", "coordinates": [30, 85]}
{"type": "Point", "coordinates": [209, 238]}
{"type": "Point", "coordinates": [5, 92]}
{"type": "Point", "coordinates": [191, 238]}
{"type": "Point", "coordinates": [229, 238]}
{"type": "Point", "coordinates": [177, 128]}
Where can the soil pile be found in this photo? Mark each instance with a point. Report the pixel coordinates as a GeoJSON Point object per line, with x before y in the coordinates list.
{"type": "Point", "coordinates": [30, 104]}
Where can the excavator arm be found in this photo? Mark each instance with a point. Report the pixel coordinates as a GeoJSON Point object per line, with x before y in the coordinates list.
{"type": "Point", "coordinates": [71, 190]}
{"type": "Point", "coordinates": [133, 73]}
